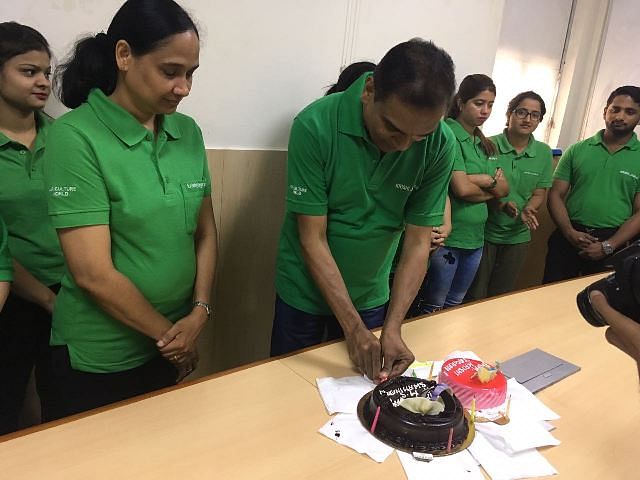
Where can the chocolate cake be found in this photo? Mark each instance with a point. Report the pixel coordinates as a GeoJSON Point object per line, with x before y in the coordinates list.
{"type": "Point", "coordinates": [409, 431]}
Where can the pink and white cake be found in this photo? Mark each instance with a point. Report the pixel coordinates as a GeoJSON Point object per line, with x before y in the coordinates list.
{"type": "Point", "coordinates": [461, 375]}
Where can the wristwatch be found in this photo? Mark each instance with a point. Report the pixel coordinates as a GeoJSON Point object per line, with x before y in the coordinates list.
{"type": "Point", "coordinates": [607, 248]}
{"type": "Point", "coordinates": [204, 305]}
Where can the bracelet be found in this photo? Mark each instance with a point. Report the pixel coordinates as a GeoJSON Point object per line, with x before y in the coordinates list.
{"type": "Point", "coordinates": [204, 305]}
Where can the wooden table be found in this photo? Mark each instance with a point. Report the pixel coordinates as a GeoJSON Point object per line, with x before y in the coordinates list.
{"type": "Point", "coordinates": [262, 421]}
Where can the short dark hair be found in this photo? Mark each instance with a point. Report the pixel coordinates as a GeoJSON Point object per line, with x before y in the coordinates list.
{"type": "Point", "coordinates": [349, 75]}
{"type": "Point", "coordinates": [515, 101]}
{"type": "Point", "coordinates": [627, 90]}
{"type": "Point", "coordinates": [143, 24]}
{"type": "Point", "coordinates": [16, 39]}
{"type": "Point", "coordinates": [418, 72]}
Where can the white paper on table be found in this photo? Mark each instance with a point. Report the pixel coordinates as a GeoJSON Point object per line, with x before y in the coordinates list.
{"type": "Point", "coordinates": [341, 395]}
{"type": "Point", "coordinates": [422, 369]}
{"type": "Point", "coordinates": [501, 466]}
{"type": "Point", "coordinates": [517, 435]}
{"type": "Point", "coordinates": [463, 354]}
{"type": "Point", "coordinates": [346, 429]}
{"type": "Point", "coordinates": [460, 466]}
{"type": "Point", "coordinates": [525, 404]}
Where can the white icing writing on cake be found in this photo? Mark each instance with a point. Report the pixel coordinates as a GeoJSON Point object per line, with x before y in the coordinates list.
{"type": "Point", "coordinates": [404, 392]}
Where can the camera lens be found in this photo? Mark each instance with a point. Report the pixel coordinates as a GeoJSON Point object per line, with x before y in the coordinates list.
{"type": "Point", "coordinates": [587, 310]}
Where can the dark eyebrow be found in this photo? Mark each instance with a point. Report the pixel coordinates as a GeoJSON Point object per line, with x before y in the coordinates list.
{"type": "Point", "coordinates": [390, 123]}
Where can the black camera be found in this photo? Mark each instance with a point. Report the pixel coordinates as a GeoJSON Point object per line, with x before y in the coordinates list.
{"type": "Point", "coordinates": [621, 288]}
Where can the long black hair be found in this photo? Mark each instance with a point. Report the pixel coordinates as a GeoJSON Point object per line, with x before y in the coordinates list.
{"type": "Point", "coordinates": [471, 86]}
{"type": "Point", "coordinates": [349, 75]}
{"type": "Point", "coordinates": [143, 24]}
{"type": "Point", "coordinates": [16, 39]}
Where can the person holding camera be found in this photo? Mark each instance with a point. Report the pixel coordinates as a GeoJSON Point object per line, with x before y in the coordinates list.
{"type": "Point", "coordinates": [622, 332]}
{"type": "Point", "coordinates": [594, 199]}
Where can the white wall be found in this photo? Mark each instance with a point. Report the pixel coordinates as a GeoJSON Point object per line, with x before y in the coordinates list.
{"type": "Point", "coordinates": [262, 61]}
{"type": "Point", "coordinates": [529, 56]}
{"type": "Point", "coordinates": [619, 60]}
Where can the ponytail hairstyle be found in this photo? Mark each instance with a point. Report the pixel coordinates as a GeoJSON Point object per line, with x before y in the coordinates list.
{"type": "Point", "coordinates": [349, 75]}
{"type": "Point", "coordinates": [16, 39]}
{"type": "Point", "coordinates": [471, 86]}
{"type": "Point", "coordinates": [144, 24]}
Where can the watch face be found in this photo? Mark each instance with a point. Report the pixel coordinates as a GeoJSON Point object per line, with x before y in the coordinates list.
{"type": "Point", "coordinates": [607, 248]}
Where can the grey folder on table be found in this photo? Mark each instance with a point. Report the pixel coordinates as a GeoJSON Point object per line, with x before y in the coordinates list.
{"type": "Point", "coordinates": [537, 369]}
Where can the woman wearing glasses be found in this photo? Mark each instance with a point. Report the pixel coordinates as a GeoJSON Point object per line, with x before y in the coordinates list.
{"type": "Point", "coordinates": [527, 165]}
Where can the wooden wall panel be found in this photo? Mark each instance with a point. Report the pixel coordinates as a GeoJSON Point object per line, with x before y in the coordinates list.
{"type": "Point", "coordinates": [249, 188]}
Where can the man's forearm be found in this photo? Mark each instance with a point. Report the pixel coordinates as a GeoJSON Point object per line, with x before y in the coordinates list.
{"type": "Point", "coordinates": [536, 200]}
{"type": "Point", "coordinates": [626, 232]}
{"type": "Point", "coordinates": [408, 277]}
{"type": "Point", "coordinates": [4, 293]}
{"type": "Point", "coordinates": [327, 277]}
{"type": "Point", "coordinates": [558, 212]}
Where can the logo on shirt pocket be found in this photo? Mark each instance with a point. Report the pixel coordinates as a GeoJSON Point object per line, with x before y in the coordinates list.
{"type": "Point", "coordinates": [192, 195]}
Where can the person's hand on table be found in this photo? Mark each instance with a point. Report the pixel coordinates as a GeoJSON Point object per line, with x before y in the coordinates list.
{"type": "Point", "coordinates": [397, 357]}
{"type": "Point", "coordinates": [181, 338]}
{"type": "Point", "coordinates": [622, 332]}
{"type": "Point", "coordinates": [593, 251]}
{"type": "Point", "coordinates": [365, 351]}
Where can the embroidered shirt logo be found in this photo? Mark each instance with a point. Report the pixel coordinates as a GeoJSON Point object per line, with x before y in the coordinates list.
{"type": "Point", "coordinates": [406, 188]}
{"type": "Point", "coordinates": [196, 185]}
{"type": "Point", "coordinates": [298, 190]}
{"type": "Point", "coordinates": [526, 172]}
{"type": "Point", "coordinates": [62, 190]}
{"type": "Point", "coordinates": [629, 174]}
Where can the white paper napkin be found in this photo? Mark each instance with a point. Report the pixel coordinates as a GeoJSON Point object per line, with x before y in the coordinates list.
{"type": "Point", "coordinates": [461, 466]}
{"type": "Point", "coordinates": [525, 404]}
{"type": "Point", "coordinates": [502, 466]}
{"type": "Point", "coordinates": [517, 435]}
{"type": "Point", "coordinates": [346, 429]}
{"type": "Point", "coordinates": [341, 395]}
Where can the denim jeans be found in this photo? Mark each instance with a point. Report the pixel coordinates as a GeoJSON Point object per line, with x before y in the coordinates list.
{"type": "Point", "coordinates": [451, 271]}
{"type": "Point", "coordinates": [294, 329]}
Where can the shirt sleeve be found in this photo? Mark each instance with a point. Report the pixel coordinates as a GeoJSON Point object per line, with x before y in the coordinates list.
{"type": "Point", "coordinates": [563, 170]}
{"type": "Point", "coordinates": [306, 181]}
{"type": "Point", "coordinates": [6, 268]}
{"type": "Point", "coordinates": [426, 204]}
{"type": "Point", "coordinates": [206, 175]}
{"type": "Point", "coordinates": [77, 194]}
{"type": "Point", "coordinates": [545, 178]}
{"type": "Point", "coordinates": [458, 158]}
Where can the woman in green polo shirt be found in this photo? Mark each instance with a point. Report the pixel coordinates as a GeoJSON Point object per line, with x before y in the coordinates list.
{"type": "Point", "coordinates": [129, 193]}
{"type": "Point", "coordinates": [25, 323]}
{"type": "Point", "coordinates": [527, 165]}
{"type": "Point", "coordinates": [476, 178]}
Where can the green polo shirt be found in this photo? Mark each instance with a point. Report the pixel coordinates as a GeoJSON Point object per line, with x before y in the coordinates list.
{"type": "Point", "coordinates": [334, 169]}
{"type": "Point", "coordinates": [525, 172]}
{"type": "Point", "coordinates": [603, 185]}
{"type": "Point", "coordinates": [23, 202]}
{"type": "Point", "coordinates": [468, 218]}
{"type": "Point", "coordinates": [6, 269]}
{"type": "Point", "coordinates": [102, 167]}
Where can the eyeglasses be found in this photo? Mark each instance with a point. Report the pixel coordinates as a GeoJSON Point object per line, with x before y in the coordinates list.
{"type": "Point", "coordinates": [523, 113]}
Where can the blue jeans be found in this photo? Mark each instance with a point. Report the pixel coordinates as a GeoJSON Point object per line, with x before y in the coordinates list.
{"type": "Point", "coordinates": [294, 329]}
{"type": "Point", "coordinates": [451, 271]}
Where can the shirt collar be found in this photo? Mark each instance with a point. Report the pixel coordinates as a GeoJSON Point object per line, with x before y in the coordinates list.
{"type": "Point", "coordinates": [123, 124]}
{"type": "Point", "coordinates": [43, 121]}
{"type": "Point", "coordinates": [350, 118]}
{"type": "Point", "coordinates": [458, 130]}
{"type": "Point", "coordinates": [632, 144]}
{"type": "Point", "coordinates": [504, 146]}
